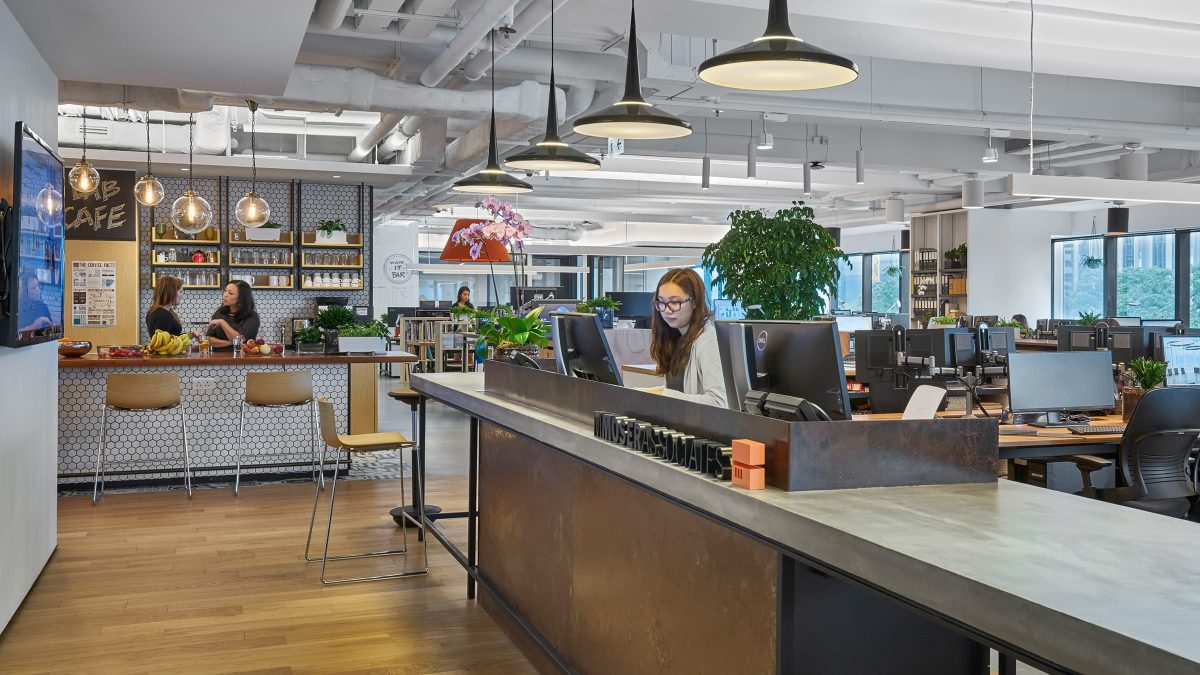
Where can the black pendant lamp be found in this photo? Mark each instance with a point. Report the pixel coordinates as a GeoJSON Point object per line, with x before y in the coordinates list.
{"type": "Point", "coordinates": [778, 61]}
{"type": "Point", "coordinates": [552, 153]}
{"type": "Point", "coordinates": [633, 116]}
{"type": "Point", "coordinates": [1118, 219]}
{"type": "Point", "coordinates": [492, 180]}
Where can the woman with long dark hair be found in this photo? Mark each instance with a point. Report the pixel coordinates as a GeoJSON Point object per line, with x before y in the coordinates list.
{"type": "Point", "coordinates": [235, 317]}
{"type": "Point", "coordinates": [684, 342]}
{"type": "Point", "coordinates": [162, 314]}
{"type": "Point", "coordinates": [464, 298]}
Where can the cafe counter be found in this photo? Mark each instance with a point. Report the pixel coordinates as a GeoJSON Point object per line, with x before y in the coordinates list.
{"type": "Point", "coordinates": [146, 446]}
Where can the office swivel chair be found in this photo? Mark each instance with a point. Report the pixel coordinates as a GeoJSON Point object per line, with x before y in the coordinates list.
{"type": "Point", "coordinates": [1153, 457]}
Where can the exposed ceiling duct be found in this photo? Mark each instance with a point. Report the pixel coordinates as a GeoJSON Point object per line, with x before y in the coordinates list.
{"type": "Point", "coordinates": [469, 37]}
{"type": "Point", "coordinates": [533, 16]}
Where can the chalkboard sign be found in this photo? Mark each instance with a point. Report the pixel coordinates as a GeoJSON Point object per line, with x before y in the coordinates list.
{"type": "Point", "coordinates": [109, 213]}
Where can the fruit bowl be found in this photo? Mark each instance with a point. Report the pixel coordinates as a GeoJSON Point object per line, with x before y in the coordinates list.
{"type": "Point", "coordinates": [74, 348]}
{"type": "Point", "coordinates": [257, 349]}
{"type": "Point", "coordinates": [125, 352]}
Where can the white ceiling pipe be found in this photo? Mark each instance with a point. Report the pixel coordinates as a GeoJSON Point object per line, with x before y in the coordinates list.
{"type": "Point", "coordinates": [331, 13]}
{"type": "Point", "coordinates": [527, 21]}
{"type": "Point", "coordinates": [370, 139]}
{"type": "Point", "coordinates": [415, 29]}
{"type": "Point", "coordinates": [469, 36]}
{"type": "Point", "coordinates": [434, 35]}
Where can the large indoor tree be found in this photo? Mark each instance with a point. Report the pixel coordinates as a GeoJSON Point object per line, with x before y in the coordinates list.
{"type": "Point", "coordinates": [784, 263]}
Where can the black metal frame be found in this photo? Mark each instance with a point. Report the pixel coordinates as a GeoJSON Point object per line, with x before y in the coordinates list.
{"type": "Point", "coordinates": [904, 281]}
{"type": "Point", "coordinates": [1009, 654]}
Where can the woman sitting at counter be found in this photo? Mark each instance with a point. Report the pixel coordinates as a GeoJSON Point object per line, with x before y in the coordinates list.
{"type": "Point", "coordinates": [162, 315]}
{"type": "Point", "coordinates": [683, 340]}
{"type": "Point", "coordinates": [464, 298]}
{"type": "Point", "coordinates": [236, 317]}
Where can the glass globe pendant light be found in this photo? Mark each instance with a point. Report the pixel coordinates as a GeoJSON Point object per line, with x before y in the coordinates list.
{"type": "Point", "coordinates": [491, 179]}
{"type": "Point", "coordinates": [49, 204]}
{"type": "Point", "coordinates": [148, 190]}
{"type": "Point", "coordinates": [632, 116]}
{"type": "Point", "coordinates": [84, 178]}
{"type": "Point", "coordinates": [778, 61]}
{"type": "Point", "coordinates": [252, 210]}
{"type": "Point", "coordinates": [191, 213]}
{"type": "Point", "coordinates": [552, 153]}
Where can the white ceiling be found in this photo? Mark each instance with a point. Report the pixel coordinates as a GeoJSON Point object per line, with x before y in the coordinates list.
{"type": "Point", "coordinates": [211, 45]}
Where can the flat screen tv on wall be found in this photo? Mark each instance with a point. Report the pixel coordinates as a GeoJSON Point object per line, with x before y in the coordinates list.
{"type": "Point", "coordinates": [31, 246]}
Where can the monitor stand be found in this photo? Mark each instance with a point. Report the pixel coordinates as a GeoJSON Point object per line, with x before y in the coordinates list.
{"type": "Point", "coordinates": [1053, 419]}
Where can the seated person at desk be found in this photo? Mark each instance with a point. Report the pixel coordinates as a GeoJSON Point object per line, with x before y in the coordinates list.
{"type": "Point", "coordinates": [162, 315]}
{"type": "Point", "coordinates": [236, 317]}
{"type": "Point", "coordinates": [32, 314]}
{"type": "Point", "coordinates": [684, 342]}
{"type": "Point", "coordinates": [464, 298]}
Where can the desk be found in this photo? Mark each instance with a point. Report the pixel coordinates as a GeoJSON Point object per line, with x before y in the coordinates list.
{"type": "Point", "coordinates": [928, 564]}
{"type": "Point", "coordinates": [1032, 345]}
{"type": "Point", "coordinates": [1049, 443]}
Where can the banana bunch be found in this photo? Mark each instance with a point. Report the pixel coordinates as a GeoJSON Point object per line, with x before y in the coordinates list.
{"type": "Point", "coordinates": [163, 343]}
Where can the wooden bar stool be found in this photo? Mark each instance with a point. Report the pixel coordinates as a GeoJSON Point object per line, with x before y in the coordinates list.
{"type": "Point", "coordinates": [358, 443]}
{"type": "Point", "coordinates": [141, 392]}
{"type": "Point", "coordinates": [279, 390]}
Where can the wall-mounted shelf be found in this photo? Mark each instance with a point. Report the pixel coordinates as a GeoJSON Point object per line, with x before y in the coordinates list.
{"type": "Point", "coordinates": [310, 239]}
{"type": "Point", "coordinates": [332, 267]}
{"type": "Point", "coordinates": [285, 239]}
{"type": "Point", "coordinates": [189, 242]}
{"type": "Point", "coordinates": [184, 264]}
{"type": "Point", "coordinates": [154, 282]}
{"type": "Point", "coordinates": [272, 288]}
{"type": "Point", "coordinates": [286, 266]}
{"type": "Point", "coordinates": [307, 287]}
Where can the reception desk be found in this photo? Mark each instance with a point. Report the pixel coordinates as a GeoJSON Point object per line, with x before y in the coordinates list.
{"type": "Point", "coordinates": [599, 558]}
{"type": "Point", "coordinates": [144, 446]}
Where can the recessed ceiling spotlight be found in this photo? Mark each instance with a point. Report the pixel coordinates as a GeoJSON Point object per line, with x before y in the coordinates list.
{"type": "Point", "coordinates": [336, 175]}
{"type": "Point", "coordinates": [816, 165]}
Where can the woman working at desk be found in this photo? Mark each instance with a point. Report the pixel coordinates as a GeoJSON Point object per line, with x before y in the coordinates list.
{"type": "Point", "coordinates": [464, 298]}
{"type": "Point", "coordinates": [235, 318]}
{"type": "Point", "coordinates": [683, 340]}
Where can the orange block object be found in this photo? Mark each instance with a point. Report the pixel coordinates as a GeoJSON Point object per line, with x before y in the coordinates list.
{"type": "Point", "coordinates": [750, 453]}
{"type": "Point", "coordinates": [749, 477]}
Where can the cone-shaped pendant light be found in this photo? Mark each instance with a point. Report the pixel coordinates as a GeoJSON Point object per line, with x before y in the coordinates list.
{"type": "Point", "coordinates": [633, 116]}
{"type": "Point", "coordinates": [552, 153]}
{"type": "Point", "coordinates": [493, 180]}
{"type": "Point", "coordinates": [778, 61]}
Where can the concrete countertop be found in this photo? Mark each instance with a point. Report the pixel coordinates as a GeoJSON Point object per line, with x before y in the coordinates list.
{"type": "Point", "coordinates": [228, 359]}
{"type": "Point", "coordinates": [1094, 587]}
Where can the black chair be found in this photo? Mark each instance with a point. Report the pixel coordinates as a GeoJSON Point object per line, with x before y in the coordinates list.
{"type": "Point", "coordinates": [522, 359]}
{"type": "Point", "coordinates": [1154, 455]}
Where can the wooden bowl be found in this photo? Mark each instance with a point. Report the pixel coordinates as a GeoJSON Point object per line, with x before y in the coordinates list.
{"type": "Point", "coordinates": [74, 349]}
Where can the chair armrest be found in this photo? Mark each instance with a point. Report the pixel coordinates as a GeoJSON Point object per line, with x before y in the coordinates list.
{"type": "Point", "coordinates": [1086, 465]}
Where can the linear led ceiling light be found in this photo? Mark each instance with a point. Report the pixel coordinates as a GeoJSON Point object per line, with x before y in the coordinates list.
{"type": "Point", "coordinates": [778, 61]}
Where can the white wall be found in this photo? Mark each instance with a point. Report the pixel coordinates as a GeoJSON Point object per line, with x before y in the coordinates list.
{"type": "Point", "coordinates": [394, 239]}
{"type": "Point", "coordinates": [29, 376]}
{"type": "Point", "coordinates": [1008, 253]}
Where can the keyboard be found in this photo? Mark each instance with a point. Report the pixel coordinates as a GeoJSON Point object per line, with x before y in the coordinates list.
{"type": "Point", "coordinates": [1097, 429]}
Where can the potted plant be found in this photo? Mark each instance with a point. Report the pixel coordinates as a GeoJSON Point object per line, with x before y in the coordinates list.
{"type": "Point", "coordinates": [1093, 263]}
{"type": "Point", "coordinates": [786, 264]}
{"type": "Point", "coordinates": [604, 307]}
{"type": "Point", "coordinates": [957, 256]}
{"type": "Point", "coordinates": [1147, 374]}
{"type": "Point", "coordinates": [308, 340]}
{"type": "Point", "coordinates": [365, 337]}
{"type": "Point", "coordinates": [268, 231]}
{"type": "Point", "coordinates": [329, 320]}
{"type": "Point", "coordinates": [513, 333]}
{"type": "Point", "coordinates": [331, 232]}
{"type": "Point", "coordinates": [1088, 318]}
{"type": "Point", "coordinates": [944, 322]}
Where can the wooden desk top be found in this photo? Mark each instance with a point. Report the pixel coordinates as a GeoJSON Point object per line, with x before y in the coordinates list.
{"type": "Point", "coordinates": [641, 369]}
{"type": "Point", "coordinates": [1031, 343]}
{"type": "Point", "coordinates": [1044, 438]}
{"type": "Point", "coordinates": [227, 359]}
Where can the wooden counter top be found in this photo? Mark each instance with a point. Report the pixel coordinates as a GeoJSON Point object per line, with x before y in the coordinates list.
{"type": "Point", "coordinates": [227, 359]}
{"type": "Point", "coordinates": [1045, 437]}
{"type": "Point", "coordinates": [1036, 344]}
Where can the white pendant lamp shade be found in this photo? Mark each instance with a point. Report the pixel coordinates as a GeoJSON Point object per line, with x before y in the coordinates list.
{"type": "Point", "coordinates": [893, 210]}
{"type": "Point", "coordinates": [148, 190]}
{"type": "Point", "coordinates": [632, 116]}
{"type": "Point", "coordinates": [860, 167]}
{"type": "Point", "coordinates": [990, 155]}
{"type": "Point", "coordinates": [972, 193]}
{"type": "Point", "coordinates": [766, 141]}
{"type": "Point", "coordinates": [191, 213]}
{"type": "Point", "coordinates": [778, 61]}
{"type": "Point", "coordinates": [83, 177]}
{"type": "Point", "coordinates": [252, 210]}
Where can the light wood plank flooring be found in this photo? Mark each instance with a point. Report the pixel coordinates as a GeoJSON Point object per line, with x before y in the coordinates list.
{"type": "Point", "coordinates": [153, 583]}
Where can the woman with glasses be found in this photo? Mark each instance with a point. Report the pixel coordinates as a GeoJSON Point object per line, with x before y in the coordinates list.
{"type": "Point", "coordinates": [684, 341]}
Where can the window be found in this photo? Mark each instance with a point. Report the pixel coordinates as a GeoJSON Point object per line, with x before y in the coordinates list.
{"type": "Point", "coordinates": [1078, 277]}
{"type": "Point", "coordinates": [850, 286]}
{"type": "Point", "coordinates": [1146, 276]}
{"type": "Point", "coordinates": [886, 278]}
{"type": "Point", "coordinates": [1194, 280]}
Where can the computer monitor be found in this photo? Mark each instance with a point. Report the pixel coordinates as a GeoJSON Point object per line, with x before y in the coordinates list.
{"type": "Point", "coordinates": [801, 359]}
{"type": "Point", "coordinates": [556, 306]}
{"type": "Point", "coordinates": [634, 305]}
{"type": "Point", "coordinates": [581, 350]}
{"type": "Point", "coordinates": [1127, 343]}
{"type": "Point", "coordinates": [1160, 323]}
{"type": "Point", "coordinates": [520, 295]}
{"type": "Point", "coordinates": [1182, 354]}
{"type": "Point", "coordinates": [852, 324]}
{"type": "Point", "coordinates": [727, 310]}
{"type": "Point", "coordinates": [395, 313]}
{"type": "Point", "coordinates": [989, 319]}
{"type": "Point", "coordinates": [1127, 320]}
{"type": "Point", "coordinates": [1076, 338]}
{"type": "Point", "coordinates": [1053, 382]}
{"type": "Point", "coordinates": [963, 350]}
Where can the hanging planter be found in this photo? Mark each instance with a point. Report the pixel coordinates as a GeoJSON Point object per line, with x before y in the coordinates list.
{"type": "Point", "coordinates": [1093, 263]}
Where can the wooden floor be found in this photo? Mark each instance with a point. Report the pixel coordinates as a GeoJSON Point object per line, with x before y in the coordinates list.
{"type": "Point", "coordinates": [153, 583]}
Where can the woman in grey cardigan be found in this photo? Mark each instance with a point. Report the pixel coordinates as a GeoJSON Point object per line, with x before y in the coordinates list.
{"type": "Point", "coordinates": [684, 341]}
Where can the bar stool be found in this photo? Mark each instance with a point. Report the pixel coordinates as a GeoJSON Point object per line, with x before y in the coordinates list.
{"type": "Point", "coordinates": [412, 398]}
{"type": "Point", "coordinates": [278, 390]}
{"type": "Point", "coordinates": [140, 392]}
{"type": "Point", "coordinates": [357, 443]}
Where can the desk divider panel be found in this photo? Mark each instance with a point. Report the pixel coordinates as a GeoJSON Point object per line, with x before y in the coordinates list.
{"type": "Point", "coordinates": [800, 455]}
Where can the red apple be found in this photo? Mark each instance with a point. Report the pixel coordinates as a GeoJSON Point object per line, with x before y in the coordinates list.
{"type": "Point", "coordinates": [250, 342]}
{"type": "Point", "coordinates": [277, 349]}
